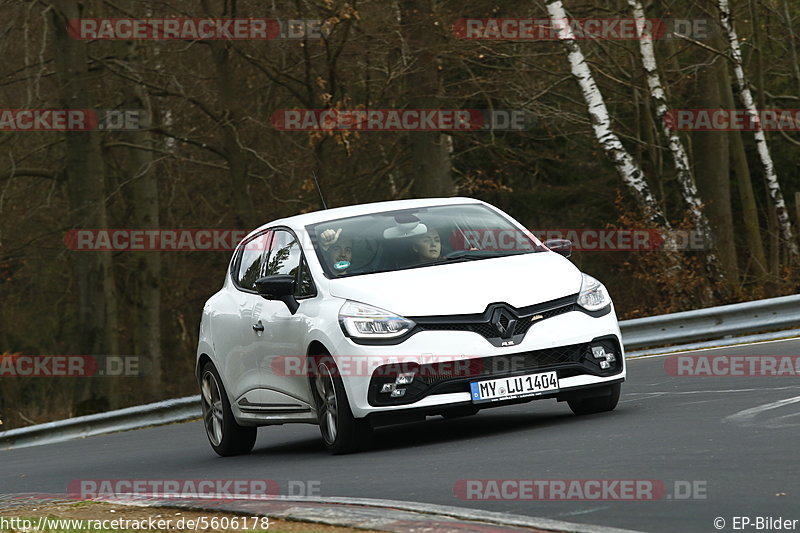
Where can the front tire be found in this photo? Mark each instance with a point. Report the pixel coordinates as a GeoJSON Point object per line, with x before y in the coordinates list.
{"type": "Point", "coordinates": [605, 401]}
{"type": "Point", "coordinates": [341, 432]}
{"type": "Point", "coordinates": [225, 435]}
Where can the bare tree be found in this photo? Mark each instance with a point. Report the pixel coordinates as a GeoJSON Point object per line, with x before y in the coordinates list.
{"type": "Point", "coordinates": [746, 95]}
{"type": "Point", "coordinates": [143, 178]}
{"type": "Point", "coordinates": [626, 166]}
{"type": "Point", "coordinates": [430, 151]}
{"type": "Point", "coordinates": [756, 257]}
{"type": "Point", "coordinates": [680, 158]}
{"type": "Point", "coordinates": [85, 169]}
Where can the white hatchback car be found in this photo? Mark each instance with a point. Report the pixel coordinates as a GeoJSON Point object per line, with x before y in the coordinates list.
{"type": "Point", "coordinates": [367, 315]}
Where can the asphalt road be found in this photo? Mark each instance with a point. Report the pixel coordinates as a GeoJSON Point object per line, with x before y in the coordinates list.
{"type": "Point", "coordinates": [736, 440]}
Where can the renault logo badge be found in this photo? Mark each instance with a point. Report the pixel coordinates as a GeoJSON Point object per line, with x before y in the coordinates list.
{"type": "Point", "coordinates": [504, 322]}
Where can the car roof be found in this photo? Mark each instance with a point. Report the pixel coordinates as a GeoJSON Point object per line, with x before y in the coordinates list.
{"type": "Point", "coordinates": [298, 222]}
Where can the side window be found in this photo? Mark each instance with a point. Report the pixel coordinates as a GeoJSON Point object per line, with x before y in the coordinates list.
{"type": "Point", "coordinates": [305, 284]}
{"type": "Point", "coordinates": [285, 257]}
{"type": "Point", "coordinates": [284, 254]}
{"type": "Point", "coordinates": [250, 264]}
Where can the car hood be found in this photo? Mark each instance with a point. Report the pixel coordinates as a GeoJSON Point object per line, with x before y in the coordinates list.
{"type": "Point", "coordinates": [464, 287]}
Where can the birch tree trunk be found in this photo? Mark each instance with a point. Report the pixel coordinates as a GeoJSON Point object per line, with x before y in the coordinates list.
{"type": "Point", "coordinates": [626, 166]}
{"type": "Point", "coordinates": [770, 175]}
{"type": "Point", "coordinates": [683, 169]}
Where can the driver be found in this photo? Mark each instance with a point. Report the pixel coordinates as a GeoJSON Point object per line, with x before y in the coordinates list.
{"type": "Point", "coordinates": [338, 250]}
{"type": "Point", "coordinates": [428, 246]}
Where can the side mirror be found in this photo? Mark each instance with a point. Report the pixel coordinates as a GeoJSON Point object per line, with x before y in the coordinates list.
{"type": "Point", "coordinates": [280, 287]}
{"type": "Point", "coordinates": [560, 246]}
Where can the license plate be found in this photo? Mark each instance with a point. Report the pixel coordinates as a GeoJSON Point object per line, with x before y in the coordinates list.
{"type": "Point", "coordinates": [514, 387]}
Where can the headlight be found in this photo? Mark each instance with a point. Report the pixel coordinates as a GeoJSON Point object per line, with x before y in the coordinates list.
{"type": "Point", "coordinates": [364, 321]}
{"type": "Point", "coordinates": [593, 295]}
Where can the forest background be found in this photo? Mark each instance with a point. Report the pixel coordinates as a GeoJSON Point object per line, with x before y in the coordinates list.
{"type": "Point", "coordinates": [211, 158]}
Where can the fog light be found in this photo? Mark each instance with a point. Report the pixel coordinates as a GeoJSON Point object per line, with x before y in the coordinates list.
{"type": "Point", "coordinates": [598, 352]}
{"type": "Point", "coordinates": [605, 365]}
{"type": "Point", "coordinates": [388, 387]}
{"type": "Point", "coordinates": [397, 393]}
{"type": "Point", "coordinates": [405, 378]}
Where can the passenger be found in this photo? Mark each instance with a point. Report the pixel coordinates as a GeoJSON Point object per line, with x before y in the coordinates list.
{"type": "Point", "coordinates": [428, 247]}
{"type": "Point", "coordinates": [338, 250]}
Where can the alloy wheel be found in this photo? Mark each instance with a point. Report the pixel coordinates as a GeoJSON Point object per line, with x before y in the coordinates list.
{"type": "Point", "coordinates": [212, 408]}
{"type": "Point", "coordinates": [326, 392]}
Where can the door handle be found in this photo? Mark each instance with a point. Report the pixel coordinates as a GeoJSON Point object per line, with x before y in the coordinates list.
{"type": "Point", "coordinates": [258, 326]}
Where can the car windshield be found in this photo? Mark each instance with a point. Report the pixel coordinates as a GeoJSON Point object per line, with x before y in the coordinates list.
{"type": "Point", "coordinates": [412, 238]}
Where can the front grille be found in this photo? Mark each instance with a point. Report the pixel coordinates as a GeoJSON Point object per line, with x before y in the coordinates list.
{"type": "Point", "coordinates": [446, 327]}
{"type": "Point", "coordinates": [523, 325]}
{"type": "Point", "coordinates": [486, 330]}
{"type": "Point", "coordinates": [481, 324]}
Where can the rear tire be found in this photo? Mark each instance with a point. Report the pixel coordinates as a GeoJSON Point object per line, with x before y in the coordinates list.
{"type": "Point", "coordinates": [605, 401]}
{"type": "Point", "coordinates": [225, 435]}
{"type": "Point", "coordinates": [341, 432]}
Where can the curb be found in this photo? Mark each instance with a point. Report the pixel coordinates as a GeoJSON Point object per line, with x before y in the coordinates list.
{"type": "Point", "coordinates": [394, 516]}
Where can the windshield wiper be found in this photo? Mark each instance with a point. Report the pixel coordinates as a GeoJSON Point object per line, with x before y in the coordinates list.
{"type": "Point", "coordinates": [472, 254]}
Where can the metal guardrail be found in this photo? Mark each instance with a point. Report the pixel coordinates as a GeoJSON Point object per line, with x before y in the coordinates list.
{"type": "Point", "coordinates": [152, 414]}
{"type": "Point", "coordinates": [712, 322]}
{"type": "Point", "coordinates": [660, 330]}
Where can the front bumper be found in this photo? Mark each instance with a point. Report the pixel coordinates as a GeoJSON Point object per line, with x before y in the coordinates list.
{"type": "Point", "coordinates": [560, 343]}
